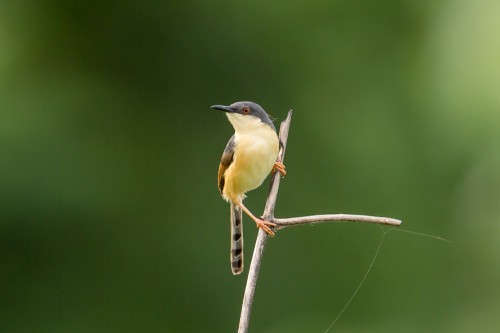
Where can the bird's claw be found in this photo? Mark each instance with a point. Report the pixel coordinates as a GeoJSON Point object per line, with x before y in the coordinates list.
{"type": "Point", "coordinates": [280, 167]}
{"type": "Point", "coordinates": [265, 225]}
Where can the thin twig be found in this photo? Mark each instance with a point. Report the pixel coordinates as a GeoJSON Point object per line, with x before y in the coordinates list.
{"type": "Point", "coordinates": [281, 223]}
{"type": "Point", "coordinates": [258, 251]}
{"type": "Point", "coordinates": [288, 222]}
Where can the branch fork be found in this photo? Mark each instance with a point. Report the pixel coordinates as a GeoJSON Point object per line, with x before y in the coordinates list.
{"type": "Point", "coordinates": [281, 223]}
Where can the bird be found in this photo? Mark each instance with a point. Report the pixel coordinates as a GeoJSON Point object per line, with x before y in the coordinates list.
{"type": "Point", "coordinates": [249, 157]}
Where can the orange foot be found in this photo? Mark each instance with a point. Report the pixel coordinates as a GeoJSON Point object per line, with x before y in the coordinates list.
{"type": "Point", "coordinates": [278, 166]}
{"type": "Point", "coordinates": [265, 225]}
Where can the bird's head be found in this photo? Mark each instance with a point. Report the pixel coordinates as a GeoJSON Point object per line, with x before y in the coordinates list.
{"type": "Point", "coordinates": [245, 116]}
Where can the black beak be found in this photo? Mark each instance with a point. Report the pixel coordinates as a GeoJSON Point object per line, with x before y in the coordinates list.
{"type": "Point", "coordinates": [222, 108]}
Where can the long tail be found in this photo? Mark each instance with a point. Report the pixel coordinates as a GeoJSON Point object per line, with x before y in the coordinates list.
{"type": "Point", "coordinates": [236, 240]}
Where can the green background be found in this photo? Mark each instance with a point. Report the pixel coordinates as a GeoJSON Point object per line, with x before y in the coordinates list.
{"type": "Point", "coordinates": [110, 217]}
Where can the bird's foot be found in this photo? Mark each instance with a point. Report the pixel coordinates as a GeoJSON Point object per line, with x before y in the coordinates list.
{"type": "Point", "coordinates": [280, 167]}
{"type": "Point", "coordinates": [265, 225]}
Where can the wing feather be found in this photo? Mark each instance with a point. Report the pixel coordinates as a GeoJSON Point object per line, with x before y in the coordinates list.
{"type": "Point", "coordinates": [225, 162]}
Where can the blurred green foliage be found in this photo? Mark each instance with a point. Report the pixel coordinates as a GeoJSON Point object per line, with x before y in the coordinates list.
{"type": "Point", "coordinates": [110, 218]}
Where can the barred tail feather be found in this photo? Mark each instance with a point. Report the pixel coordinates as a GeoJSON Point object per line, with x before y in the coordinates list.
{"type": "Point", "coordinates": [236, 239]}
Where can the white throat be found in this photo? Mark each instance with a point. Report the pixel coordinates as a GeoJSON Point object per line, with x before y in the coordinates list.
{"type": "Point", "coordinates": [244, 124]}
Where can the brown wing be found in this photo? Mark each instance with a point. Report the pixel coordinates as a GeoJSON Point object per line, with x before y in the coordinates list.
{"type": "Point", "coordinates": [225, 162]}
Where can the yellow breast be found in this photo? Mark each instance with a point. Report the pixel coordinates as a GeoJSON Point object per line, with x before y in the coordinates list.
{"type": "Point", "coordinates": [255, 154]}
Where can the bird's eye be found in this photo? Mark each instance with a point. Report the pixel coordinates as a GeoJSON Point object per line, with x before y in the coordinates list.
{"type": "Point", "coordinates": [246, 110]}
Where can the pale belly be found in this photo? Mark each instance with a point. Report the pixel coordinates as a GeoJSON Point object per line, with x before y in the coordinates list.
{"type": "Point", "coordinates": [251, 166]}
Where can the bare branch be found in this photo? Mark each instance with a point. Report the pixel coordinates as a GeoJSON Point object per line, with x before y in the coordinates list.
{"type": "Point", "coordinates": [313, 219]}
{"type": "Point", "coordinates": [253, 275]}
{"type": "Point", "coordinates": [258, 252]}
{"type": "Point", "coordinates": [275, 180]}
